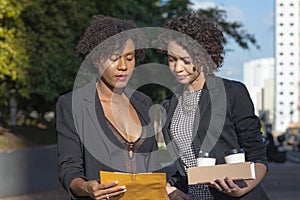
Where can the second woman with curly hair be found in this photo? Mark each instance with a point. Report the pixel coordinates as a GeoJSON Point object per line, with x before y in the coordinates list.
{"type": "Point", "coordinates": [208, 113]}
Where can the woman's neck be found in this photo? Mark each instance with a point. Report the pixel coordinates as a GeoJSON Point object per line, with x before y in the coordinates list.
{"type": "Point", "coordinates": [108, 94]}
{"type": "Point", "coordinates": [197, 84]}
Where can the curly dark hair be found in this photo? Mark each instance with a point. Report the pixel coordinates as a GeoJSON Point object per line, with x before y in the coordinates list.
{"type": "Point", "coordinates": [201, 30]}
{"type": "Point", "coordinates": [101, 31]}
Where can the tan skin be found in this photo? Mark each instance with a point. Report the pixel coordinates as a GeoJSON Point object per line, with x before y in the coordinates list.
{"type": "Point", "coordinates": [116, 105]}
{"type": "Point", "coordinates": [181, 65]}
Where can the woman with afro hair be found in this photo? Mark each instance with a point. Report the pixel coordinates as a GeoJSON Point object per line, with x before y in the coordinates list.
{"type": "Point", "coordinates": [104, 125]}
{"type": "Point", "coordinates": [208, 114]}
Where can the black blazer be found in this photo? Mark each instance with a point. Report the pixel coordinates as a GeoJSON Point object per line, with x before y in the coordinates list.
{"type": "Point", "coordinates": [225, 119]}
{"type": "Point", "coordinates": [83, 148]}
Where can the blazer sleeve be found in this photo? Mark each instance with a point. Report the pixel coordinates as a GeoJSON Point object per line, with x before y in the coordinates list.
{"type": "Point", "coordinates": [247, 124]}
{"type": "Point", "coordinates": [70, 158]}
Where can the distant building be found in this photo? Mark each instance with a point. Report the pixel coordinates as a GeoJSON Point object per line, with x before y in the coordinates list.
{"type": "Point", "coordinates": [286, 63]}
{"type": "Point", "coordinates": [258, 76]}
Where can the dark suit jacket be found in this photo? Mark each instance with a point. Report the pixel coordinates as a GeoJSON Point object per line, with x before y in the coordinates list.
{"type": "Point", "coordinates": [225, 120]}
{"type": "Point", "coordinates": [83, 148]}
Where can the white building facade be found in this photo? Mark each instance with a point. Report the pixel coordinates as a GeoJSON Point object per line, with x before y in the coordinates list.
{"type": "Point", "coordinates": [286, 63]}
{"type": "Point", "coordinates": [257, 76]}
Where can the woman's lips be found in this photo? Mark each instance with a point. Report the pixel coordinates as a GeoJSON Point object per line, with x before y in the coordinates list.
{"type": "Point", "coordinates": [121, 77]}
{"type": "Point", "coordinates": [180, 77]}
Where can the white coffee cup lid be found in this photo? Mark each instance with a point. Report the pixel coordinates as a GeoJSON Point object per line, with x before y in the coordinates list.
{"type": "Point", "coordinates": [234, 151]}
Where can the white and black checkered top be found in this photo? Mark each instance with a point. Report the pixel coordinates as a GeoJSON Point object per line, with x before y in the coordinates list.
{"type": "Point", "coordinates": [181, 129]}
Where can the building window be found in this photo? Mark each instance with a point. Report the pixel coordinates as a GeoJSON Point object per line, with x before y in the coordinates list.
{"type": "Point", "coordinates": [292, 14]}
{"type": "Point", "coordinates": [281, 4]}
{"type": "Point", "coordinates": [281, 44]}
{"type": "Point", "coordinates": [281, 34]}
{"type": "Point", "coordinates": [281, 53]}
{"type": "Point", "coordinates": [291, 24]}
{"type": "Point", "coordinates": [281, 83]}
{"type": "Point", "coordinates": [281, 63]}
{"type": "Point", "coordinates": [291, 53]}
{"type": "Point", "coordinates": [281, 73]}
{"type": "Point", "coordinates": [281, 103]}
{"type": "Point", "coordinates": [291, 63]}
{"type": "Point", "coordinates": [291, 4]}
{"type": "Point", "coordinates": [291, 44]}
{"type": "Point", "coordinates": [291, 73]}
{"type": "Point", "coordinates": [291, 93]}
{"type": "Point", "coordinates": [291, 34]}
{"type": "Point", "coordinates": [281, 113]}
{"type": "Point", "coordinates": [281, 93]}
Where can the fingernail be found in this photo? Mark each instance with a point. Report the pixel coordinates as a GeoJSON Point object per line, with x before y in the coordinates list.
{"type": "Point", "coordinates": [123, 187]}
{"type": "Point", "coordinates": [116, 182]}
{"type": "Point", "coordinates": [124, 190]}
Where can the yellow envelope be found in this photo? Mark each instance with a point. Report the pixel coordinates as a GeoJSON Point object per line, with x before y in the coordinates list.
{"type": "Point", "coordinates": [144, 186]}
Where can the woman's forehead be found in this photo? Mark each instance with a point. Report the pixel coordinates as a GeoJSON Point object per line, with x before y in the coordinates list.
{"type": "Point", "coordinates": [177, 50]}
{"type": "Point", "coordinates": [125, 48]}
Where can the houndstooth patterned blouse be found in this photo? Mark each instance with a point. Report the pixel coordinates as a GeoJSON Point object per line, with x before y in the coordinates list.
{"type": "Point", "coordinates": [181, 129]}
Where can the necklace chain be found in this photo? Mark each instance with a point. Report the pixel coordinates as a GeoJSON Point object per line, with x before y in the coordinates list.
{"type": "Point", "coordinates": [189, 101]}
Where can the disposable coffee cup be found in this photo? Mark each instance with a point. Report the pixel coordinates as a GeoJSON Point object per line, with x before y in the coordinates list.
{"type": "Point", "coordinates": [206, 159]}
{"type": "Point", "coordinates": [234, 156]}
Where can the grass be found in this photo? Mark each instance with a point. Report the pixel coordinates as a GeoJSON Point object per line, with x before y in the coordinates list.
{"type": "Point", "coordinates": [16, 137]}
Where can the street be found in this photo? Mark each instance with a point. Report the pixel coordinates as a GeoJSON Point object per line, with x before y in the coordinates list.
{"type": "Point", "coordinates": [282, 182]}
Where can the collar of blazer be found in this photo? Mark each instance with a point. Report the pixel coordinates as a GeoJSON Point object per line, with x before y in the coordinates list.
{"type": "Point", "coordinates": [83, 101]}
{"type": "Point", "coordinates": [214, 97]}
{"type": "Point", "coordinates": [136, 98]}
{"type": "Point", "coordinates": [210, 85]}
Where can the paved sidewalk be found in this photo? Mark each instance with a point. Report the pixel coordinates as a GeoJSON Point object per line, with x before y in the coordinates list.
{"type": "Point", "coordinates": [56, 194]}
{"type": "Point", "coordinates": [281, 183]}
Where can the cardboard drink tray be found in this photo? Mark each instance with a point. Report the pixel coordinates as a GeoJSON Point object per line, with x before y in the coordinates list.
{"type": "Point", "coordinates": [235, 171]}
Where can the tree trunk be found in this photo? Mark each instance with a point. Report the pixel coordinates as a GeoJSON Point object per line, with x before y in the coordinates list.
{"type": "Point", "coordinates": [13, 105]}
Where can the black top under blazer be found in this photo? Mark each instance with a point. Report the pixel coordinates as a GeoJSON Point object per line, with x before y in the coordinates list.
{"type": "Point", "coordinates": [233, 124]}
{"type": "Point", "coordinates": [83, 148]}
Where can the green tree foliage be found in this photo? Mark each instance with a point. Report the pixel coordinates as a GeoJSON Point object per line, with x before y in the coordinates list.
{"type": "Point", "coordinates": [13, 56]}
{"type": "Point", "coordinates": [53, 29]}
{"type": "Point", "coordinates": [234, 30]}
{"type": "Point", "coordinates": [175, 8]}
{"type": "Point", "coordinates": [38, 40]}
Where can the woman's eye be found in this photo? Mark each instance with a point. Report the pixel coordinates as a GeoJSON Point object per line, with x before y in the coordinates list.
{"type": "Point", "coordinates": [114, 59]}
{"type": "Point", "coordinates": [171, 59]}
{"type": "Point", "coordinates": [187, 62]}
{"type": "Point", "coordinates": [129, 58]}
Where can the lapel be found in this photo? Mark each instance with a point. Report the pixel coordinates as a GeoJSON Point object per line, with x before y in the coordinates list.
{"type": "Point", "coordinates": [204, 102]}
{"type": "Point", "coordinates": [98, 142]}
{"type": "Point", "coordinates": [202, 105]}
{"type": "Point", "coordinates": [105, 144]}
{"type": "Point", "coordinates": [214, 98]}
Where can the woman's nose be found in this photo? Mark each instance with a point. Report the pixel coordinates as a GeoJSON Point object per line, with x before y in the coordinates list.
{"type": "Point", "coordinates": [178, 66]}
{"type": "Point", "coordinates": [122, 64]}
